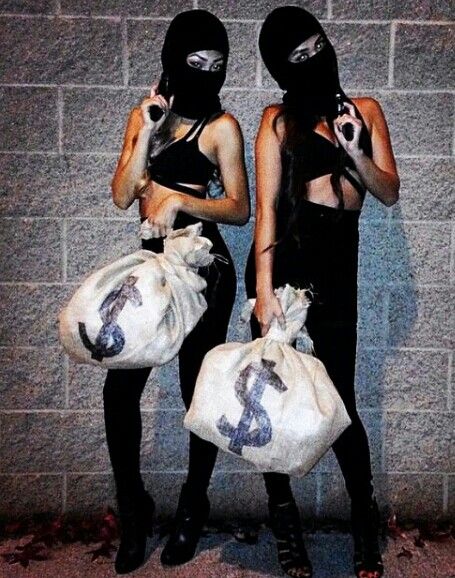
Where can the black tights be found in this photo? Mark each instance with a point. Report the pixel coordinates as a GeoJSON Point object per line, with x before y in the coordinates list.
{"type": "Point", "coordinates": [123, 387]}
{"type": "Point", "coordinates": [336, 348]}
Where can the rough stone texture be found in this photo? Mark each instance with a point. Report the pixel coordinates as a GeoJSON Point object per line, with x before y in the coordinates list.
{"type": "Point", "coordinates": [71, 73]}
{"type": "Point", "coordinates": [371, 329]}
{"type": "Point", "coordinates": [402, 379]}
{"type": "Point", "coordinates": [421, 317]}
{"type": "Point", "coordinates": [125, 7]}
{"type": "Point", "coordinates": [257, 9]}
{"type": "Point", "coordinates": [145, 39]}
{"type": "Point", "coordinates": [31, 378]}
{"type": "Point", "coordinates": [95, 119]}
{"type": "Point", "coordinates": [374, 253]}
{"type": "Point", "coordinates": [49, 185]}
{"type": "Point", "coordinates": [427, 190]}
{"type": "Point", "coordinates": [28, 314]}
{"type": "Point", "coordinates": [98, 244]}
{"type": "Point", "coordinates": [389, 9]}
{"type": "Point", "coordinates": [53, 442]}
{"type": "Point", "coordinates": [411, 495]}
{"type": "Point", "coordinates": [419, 441]}
{"type": "Point", "coordinates": [27, 6]}
{"type": "Point", "coordinates": [85, 387]}
{"type": "Point", "coordinates": [405, 114]}
{"type": "Point", "coordinates": [42, 260]}
{"type": "Point", "coordinates": [429, 68]}
{"type": "Point", "coordinates": [419, 253]}
{"type": "Point", "coordinates": [29, 119]}
{"type": "Point", "coordinates": [33, 493]}
{"type": "Point", "coordinates": [58, 51]}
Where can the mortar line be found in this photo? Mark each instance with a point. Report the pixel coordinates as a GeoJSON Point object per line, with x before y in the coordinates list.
{"type": "Point", "coordinates": [64, 491]}
{"type": "Point", "coordinates": [66, 377]}
{"type": "Point", "coordinates": [392, 38]}
{"type": "Point", "coordinates": [125, 52]}
{"type": "Point", "coordinates": [60, 119]}
{"type": "Point", "coordinates": [445, 493]}
{"type": "Point", "coordinates": [449, 382]}
{"type": "Point", "coordinates": [64, 233]}
{"type": "Point", "coordinates": [329, 9]}
{"type": "Point", "coordinates": [318, 493]}
{"type": "Point", "coordinates": [58, 7]}
{"type": "Point", "coordinates": [452, 254]}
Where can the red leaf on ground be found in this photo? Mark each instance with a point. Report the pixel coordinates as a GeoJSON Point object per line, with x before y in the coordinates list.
{"type": "Point", "coordinates": [405, 553]}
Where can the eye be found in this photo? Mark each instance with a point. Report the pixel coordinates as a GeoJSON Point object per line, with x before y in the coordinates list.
{"type": "Point", "coordinates": [320, 44]}
{"type": "Point", "coordinates": [195, 63]}
{"type": "Point", "coordinates": [302, 57]}
{"type": "Point", "coordinates": [216, 67]}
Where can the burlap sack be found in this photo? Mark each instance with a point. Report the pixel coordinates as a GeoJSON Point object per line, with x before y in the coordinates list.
{"type": "Point", "coordinates": [266, 402]}
{"type": "Point", "coordinates": [137, 311]}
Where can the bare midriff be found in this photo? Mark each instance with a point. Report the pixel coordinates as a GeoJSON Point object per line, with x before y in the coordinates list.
{"type": "Point", "coordinates": [156, 195]}
{"type": "Point", "coordinates": [320, 191]}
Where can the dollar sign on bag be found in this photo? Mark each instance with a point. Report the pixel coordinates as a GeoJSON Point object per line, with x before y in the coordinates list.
{"type": "Point", "coordinates": [111, 339]}
{"type": "Point", "coordinates": [262, 375]}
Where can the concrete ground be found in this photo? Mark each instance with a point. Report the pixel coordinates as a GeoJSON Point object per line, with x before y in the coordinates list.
{"type": "Point", "coordinates": [221, 556]}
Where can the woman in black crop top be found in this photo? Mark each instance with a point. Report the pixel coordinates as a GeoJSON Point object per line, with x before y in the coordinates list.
{"type": "Point", "coordinates": [311, 181]}
{"type": "Point", "coordinates": [167, 164]}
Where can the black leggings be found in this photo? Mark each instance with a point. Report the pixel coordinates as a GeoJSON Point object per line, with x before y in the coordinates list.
{"type": "Point", "coordinates": [326, 261]}
{"type": "Point", "coordinates": [123, 387]}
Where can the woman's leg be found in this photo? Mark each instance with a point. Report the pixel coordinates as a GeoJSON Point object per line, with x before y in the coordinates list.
{"type": "Point", "coordinates": [122, 393]}
{"type": "Point", "coordinates": [193, 507]}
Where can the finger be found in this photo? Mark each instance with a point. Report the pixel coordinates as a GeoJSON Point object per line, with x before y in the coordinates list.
{"type": "Point", "coordinates": [153, 90]}
{"type": "Point", "coordinates": [351, 109]}
{"type": "Point", "coordinates": [171, 101]}
{"type": "Point", "coordinates": [264, 328]}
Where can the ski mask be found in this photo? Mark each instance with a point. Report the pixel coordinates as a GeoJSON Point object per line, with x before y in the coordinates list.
{"type": "Point", "coordinates": [310, 85]}
{"type": "Point", "coordinates": [195, 91]}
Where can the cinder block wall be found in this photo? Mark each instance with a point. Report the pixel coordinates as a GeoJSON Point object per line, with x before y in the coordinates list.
{"type": "Point", "coordinates": [69, 73]}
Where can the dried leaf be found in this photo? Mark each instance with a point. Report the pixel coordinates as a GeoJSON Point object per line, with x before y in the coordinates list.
{"type": "Point", "coordinates": [393, 529]}
{"type": "Point", "coordinates": [24, 554]}
{"type": "Point", "coordinates": [419, 542]}
{"type": "Point", "coordinates": [405, 553]}
{"type": "Point", "coordinates": [104, 551]}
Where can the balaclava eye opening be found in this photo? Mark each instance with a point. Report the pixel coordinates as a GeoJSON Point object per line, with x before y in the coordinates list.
{"type": "Point", "coordinates": [195, 91]}
{"type": "Point", "coordinates": [310, 85]}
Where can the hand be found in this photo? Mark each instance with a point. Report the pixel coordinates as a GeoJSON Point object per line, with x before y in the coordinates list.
{"type": "Point", "coordinates": [265, 309]}
{"type": "Point", "coordinates": [350, 146]}
{"type": "Point", "coordinates": [163, 218]}
{"type": "Point", "coordinates": [155, 100]}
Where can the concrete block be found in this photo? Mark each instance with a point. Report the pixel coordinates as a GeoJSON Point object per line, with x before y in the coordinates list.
{"type": "Point", "coordinates": [95, 119]}
{"type": "Point", "coordinates": [164, 441]}
{"type": "Point", "coordinates": [402, 379]}
{"type": "Point", "coordinates": [241, 69]}
{"type": "Point", "coordinates": [31, 378]}
{"type": "Point", "coordinates": [27, 6]}
{"type": "Point", "coordinates": [145, 40]}
{"type": "Point", "coordinates": [31, 250]}
{"type": "Point", "coordinates": [26, 494]}
{"type": "Point", "coordinates": [374, 253]}
{"type": "Point", "coordinates": [125, 7]}
{"type": "Point", "coordinates": [61, 50]}
{"type": "Point", "coordinates": [419, 442]}
{"type": "Point", "coordinates": [257, 9]}
{"type": "Point", "coordinates": [378, 9]}
{"type": "Point", "coordinates": [429, 68]}
{"type": "Point", "coordinates": [371, 323]}
{"type": "Point", "coordinates": [29, 119]}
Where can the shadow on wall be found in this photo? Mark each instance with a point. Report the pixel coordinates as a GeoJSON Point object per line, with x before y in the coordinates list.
{"type": "Point", "coordinates": [388, 312]}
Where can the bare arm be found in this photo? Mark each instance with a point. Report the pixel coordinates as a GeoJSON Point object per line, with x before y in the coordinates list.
{"type": "Point", "coordinates": [379, 174]}
{"type": "Point", "coordinates": [235, 207]}
{"type": "Point", "coordinates": [268, 181]}
{"type": "Point", "coordinates": [133, 158]}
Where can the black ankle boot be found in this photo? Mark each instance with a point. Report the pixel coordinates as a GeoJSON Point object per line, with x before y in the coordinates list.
{"type": "Point", "coordinates": [192, 513]}
{"type": "Point", "coordinates": [135, 515]}
{"type": "Point", "coordinates": [365, 522]}
{"type": "Point", "coordinates": [286, 527]}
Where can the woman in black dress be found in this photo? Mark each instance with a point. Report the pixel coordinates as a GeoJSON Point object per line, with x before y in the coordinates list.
{"type": "Point", "coordinates": [312, 177]}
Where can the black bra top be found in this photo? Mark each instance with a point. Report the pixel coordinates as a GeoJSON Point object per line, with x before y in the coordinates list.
{"type": "Point", "coordinates": [182, 162]}
{"type": "Point", "coordinates": [321, 156]}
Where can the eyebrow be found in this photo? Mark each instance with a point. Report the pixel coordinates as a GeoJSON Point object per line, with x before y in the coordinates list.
{"type": "Point", "coordinates": [304, 49]}
{"type": "Point", "coordinates": [220, 58]}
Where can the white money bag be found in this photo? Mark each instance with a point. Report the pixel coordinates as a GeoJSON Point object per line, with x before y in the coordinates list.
{"type": "Point", "coordinates": [266, 402]}
{"type": "Point", "coordinates": [137, 311]}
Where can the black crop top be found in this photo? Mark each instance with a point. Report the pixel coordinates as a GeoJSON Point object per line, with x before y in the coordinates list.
{"type": "Point", "coordinates": [320, 156]}
{"type": "Point", "coordinates": [182, 162]}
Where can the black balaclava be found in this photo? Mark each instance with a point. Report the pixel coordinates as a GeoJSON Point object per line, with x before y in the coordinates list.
{"type": "Point", "coordinates": [310, 85]}
{"type": "Point", "coordinates": [195, 91]}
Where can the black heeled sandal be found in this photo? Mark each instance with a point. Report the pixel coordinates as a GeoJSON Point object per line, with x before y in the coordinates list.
{"type": "Point", "coordinates": [192, 513]}
{"type": "Point", "coordinates": [136, 525]}
{"type": "Point", "coordinates": [286, 527]}
{"type": "Point", "coordinates": [365, 530]}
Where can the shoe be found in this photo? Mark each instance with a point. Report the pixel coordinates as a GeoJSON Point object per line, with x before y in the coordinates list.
{"type": "Point", "coordinates": [286, 527]}
{"type": "Point", "coordinates": [135, 525]}
{"type": "Point", "coordinates": [365, 529]}
{"type": "Point", "coordinates": [192, 513]}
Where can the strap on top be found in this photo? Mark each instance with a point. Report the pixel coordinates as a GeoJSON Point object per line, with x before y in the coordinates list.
{"type": "Point", "coordinates": [196, 129]}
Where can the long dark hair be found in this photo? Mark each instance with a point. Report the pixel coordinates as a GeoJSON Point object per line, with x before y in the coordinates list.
{"type": "Point", "coordinates": [297, 133]}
